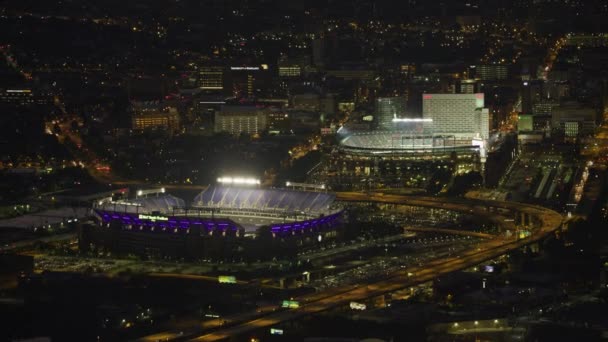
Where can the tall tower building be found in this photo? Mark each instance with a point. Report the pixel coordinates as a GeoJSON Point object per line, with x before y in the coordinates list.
{"type": "Point", "coordinates": [318, 52]}
{"type": "Point", "coordinates": [250, 85]}
{"type": "Point", "coordinates": [388, 108]}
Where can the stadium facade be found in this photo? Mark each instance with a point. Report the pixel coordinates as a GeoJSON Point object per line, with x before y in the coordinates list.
{"type": "Point", "coordinates": [398, 159]}
{"type": "Point", "coordinates": [223, 222]}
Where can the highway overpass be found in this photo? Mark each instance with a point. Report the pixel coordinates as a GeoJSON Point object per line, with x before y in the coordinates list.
{"type": "Point", "coordinates": [503, 213]}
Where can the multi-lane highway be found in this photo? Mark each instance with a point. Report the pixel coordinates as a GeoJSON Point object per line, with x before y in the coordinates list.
{"type": "Point", "coordinates": [502, 213]}
{"type": "Point", "coordinates": [451, 231]}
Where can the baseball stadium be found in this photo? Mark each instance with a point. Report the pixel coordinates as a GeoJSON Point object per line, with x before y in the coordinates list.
{"type": "Point", "coordinates": [412, 157]}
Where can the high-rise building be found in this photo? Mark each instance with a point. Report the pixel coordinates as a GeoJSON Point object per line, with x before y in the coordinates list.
{"type": "Point", "coordinates": [290, 70]}
{"type": "Point", "coordinates": [457, 114]}
{"type": "Point", "coordinates": [531, 94]}
{"type": "Point", "coordinates": [307, 101]}
{"type": "Point", "coordinates": [291, 67]}
{"type": "Point", "coordinates": [588, 40]}
{"type": "Point", "coordinates": [249, 80]}
{"type": "Point", "coordinates": [211, 78]}
{"type": "Point", "coordinates": [407, 70]}
{"type": "Point", "coordinates": [468, 86]}
{"type": "Point", "coordinates": [544, 107]}
{"type": "Point", "coordinates": [362, 74]}
{"type": "Point", "coordinates": [318, 52]}
{"type": "Point", "coordinates": [152, 115]}
{"type": "Point", "coordinates": [492, 72]}
{"type": "Point", "coordinates": [24, 97]}
{"type": "Point", "coordinates": [574, 119]}
{"type": "Point", "coordinates": [241, 119]}
{"type": "Point", "coordinates": [278, 121]}
{"type": "Point", "coordinates": [388, 108]}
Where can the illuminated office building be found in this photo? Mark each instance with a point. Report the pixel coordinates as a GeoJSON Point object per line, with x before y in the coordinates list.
{"type": "Point", "coordinates": [152, 115]}
{"type": "Point", "coordinates": [574, 119]}
{"type": "Point", "coordinates": [492, 72]}
{"type": "Point", "coordinates": [290, 71]}
{"type": "Point", "coordinates": [211, 78]}
{"type": "Point", "coordinates": [241, 119]}
{"type": "Point", "coordinates": [249, 81]}
{"type": "Point", "coordinates": [457, 114]}
{"type": "Point", "coordinates": [388, 108]}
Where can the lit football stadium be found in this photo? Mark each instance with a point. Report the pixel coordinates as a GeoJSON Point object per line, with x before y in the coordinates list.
{"type": "Point", "coordinates": [163, 224]}
{"type": "Point", "coordinates": [242, 207]}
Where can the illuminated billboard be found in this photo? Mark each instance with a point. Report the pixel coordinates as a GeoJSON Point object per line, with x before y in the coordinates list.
{"type": "Point", "coordinates": [248, 68]}
{"type": "Point", "coordinates": [153, 217]}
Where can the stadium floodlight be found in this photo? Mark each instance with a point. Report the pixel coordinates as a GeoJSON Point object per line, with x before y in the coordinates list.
{"type": "Point", "coordinates": [305, 185]}
{"type": "Point", "coordinates": [141, 193]}
{"type": "Point", "coordinates": [238, 181]}
{"type": "Point", "coordinates": [412, 120]}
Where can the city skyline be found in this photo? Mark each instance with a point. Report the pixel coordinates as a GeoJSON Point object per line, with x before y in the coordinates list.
{"type": "Point", "coordinates": [304, 170]}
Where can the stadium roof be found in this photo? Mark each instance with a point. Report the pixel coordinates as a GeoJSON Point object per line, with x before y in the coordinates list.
{"type": "Point", "coordinates": [264, 199]}
{"type": "Point", "coordinates": [162, 204]}
{"type": "Point", "coordinates": [421, 140]}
